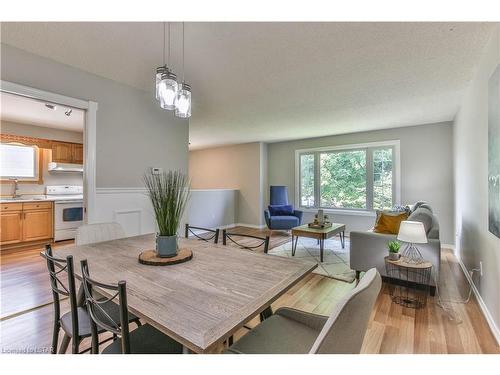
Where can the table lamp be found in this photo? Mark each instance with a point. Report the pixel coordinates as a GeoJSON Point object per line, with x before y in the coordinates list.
{"type": "Point", "coordinates": [412, 232]}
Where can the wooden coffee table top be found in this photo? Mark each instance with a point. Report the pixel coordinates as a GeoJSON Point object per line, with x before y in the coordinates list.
{"type": "Point", "coordinates": [335, 228]}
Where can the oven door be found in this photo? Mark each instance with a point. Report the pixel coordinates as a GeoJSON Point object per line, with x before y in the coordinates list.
{"type": "Point", "coordinates": [68, 215]}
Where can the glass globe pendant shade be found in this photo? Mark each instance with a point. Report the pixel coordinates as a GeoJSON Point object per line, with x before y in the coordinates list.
{"type": "Point", "coordinates": [159, 71]}
{"type": "Point", "coordinates": [167, 90]}
{"type": "Point", "coordinates": [183, 101]}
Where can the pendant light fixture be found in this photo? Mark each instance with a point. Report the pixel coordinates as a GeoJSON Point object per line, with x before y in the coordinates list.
{"type": "Point", "coordinates": [183, 97]}
{"type": "Point", "coordinates": [167, 86]}
{"type": "Point", "coordinates": [161, 69]}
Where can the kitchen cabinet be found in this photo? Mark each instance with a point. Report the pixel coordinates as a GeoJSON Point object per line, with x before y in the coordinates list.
{"type": "Point", "coordinates": [26, 223]}
{"type": "Point", "coordinates": [66, 152]}
{"type": "Point", "coordinates": [11, 224]}
{"type": "Point", "coordinates": [77, 153]}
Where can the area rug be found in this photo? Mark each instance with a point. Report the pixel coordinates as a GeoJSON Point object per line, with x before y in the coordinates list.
{"type": "Point", "coordinates": [335, 259]}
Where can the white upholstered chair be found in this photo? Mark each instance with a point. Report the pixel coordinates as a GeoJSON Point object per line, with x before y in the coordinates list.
{"type": "Point", "coordinates": [100, 232]}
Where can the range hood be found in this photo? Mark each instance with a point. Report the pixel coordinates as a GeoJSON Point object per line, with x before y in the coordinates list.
{"type": "Point", "coordinates": [65, 167]}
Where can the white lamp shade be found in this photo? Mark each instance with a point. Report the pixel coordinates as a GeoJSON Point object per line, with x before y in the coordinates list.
{"type": "Point", "coordinates": [412, 232]}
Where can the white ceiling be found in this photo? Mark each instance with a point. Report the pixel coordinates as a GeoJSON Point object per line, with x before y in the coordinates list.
{"type": "Point", "coordinates": [23, 110]}
{"type": "Point", "coordinates": [280, 81]}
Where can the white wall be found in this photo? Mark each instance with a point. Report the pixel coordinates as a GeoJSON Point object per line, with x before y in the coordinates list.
{"type": "Point", "coordinates": [426, 169]}
{"type": "Point", "coordinates": [475, 243]}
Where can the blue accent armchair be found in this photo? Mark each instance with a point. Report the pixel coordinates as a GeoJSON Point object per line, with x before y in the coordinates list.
{"type": "Point", "coordinates": [279, 196]}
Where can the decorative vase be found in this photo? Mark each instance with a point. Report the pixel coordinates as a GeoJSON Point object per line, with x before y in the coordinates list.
{"type": "Point", "coordinates": [166, 246]}
{"type": "Point", "coordinates": [394, 256]}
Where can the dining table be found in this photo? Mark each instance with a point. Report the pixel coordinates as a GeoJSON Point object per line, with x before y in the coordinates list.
{"type": "Point", "coordinates": [200, 303]}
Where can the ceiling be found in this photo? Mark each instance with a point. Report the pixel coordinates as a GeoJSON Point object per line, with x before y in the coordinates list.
{"type": "Point", "coordinates": [23, 110]}
{"type": "Point", "coordinates": [279, 81]}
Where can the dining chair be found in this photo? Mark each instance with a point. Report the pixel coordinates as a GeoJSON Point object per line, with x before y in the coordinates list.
{"type": "Point", "coordinates": [240, 240]}
{"type": "Point", "coordinates": [191, 229]}
{"type": "Point", "coordinates": [100, 232]}
{"type": "Point", "coordinates": [297, 332]}
{"type": "Point", "coordinates": [75, 323]}
{"type": "Point", "coordinates": [143, 340]}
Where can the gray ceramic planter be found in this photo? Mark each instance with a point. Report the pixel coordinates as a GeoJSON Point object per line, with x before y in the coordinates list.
{"type": "Point", "coordinates": [166, 246]}
{"type": "Point", "coordinates": [394, 256]}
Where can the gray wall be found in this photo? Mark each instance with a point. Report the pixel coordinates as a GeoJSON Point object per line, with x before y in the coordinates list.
{"type": "Point", "coordinates": [475, 243]}
{"type": "Point", "coordinates": [426, 169]}
{"type": "Point", "coordinates": [213, 208]}
{"type": "Point", "coordinates": [133, 132]}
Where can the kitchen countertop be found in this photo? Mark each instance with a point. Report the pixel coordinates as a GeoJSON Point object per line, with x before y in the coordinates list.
{"type": "Point", "coordinates": [32, 198]}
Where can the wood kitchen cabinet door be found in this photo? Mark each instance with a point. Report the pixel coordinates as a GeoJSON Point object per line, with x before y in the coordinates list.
{"type": "Point", "coordinates": [37, 224]}
{"type": "Point", "coordinates": [62, 152]}
{"type": "Point", "coordinates": [11, 227]}
{"type": "Point", "coordinates": [77, 153]}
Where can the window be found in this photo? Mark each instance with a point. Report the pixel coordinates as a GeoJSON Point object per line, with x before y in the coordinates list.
{"type": "Point", "coordinates": [19, 161]}
{"type": "Point", "coordinates": [361, 177]}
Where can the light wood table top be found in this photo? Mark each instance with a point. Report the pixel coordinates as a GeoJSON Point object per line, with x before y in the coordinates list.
{"type": "Point", "coordinates": [199, 303]}
{"type": "Point", "coordinates": [304, 229]}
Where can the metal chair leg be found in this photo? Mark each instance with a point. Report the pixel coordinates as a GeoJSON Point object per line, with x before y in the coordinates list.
{"type": "Point", "coordinates": [75, 345]}
{"type": "Point", "coordinates": [55, 338]}
{"type": "Point", "coordinates": [266, 313]}
{"type": "Point", "coordinates": [64, 344]}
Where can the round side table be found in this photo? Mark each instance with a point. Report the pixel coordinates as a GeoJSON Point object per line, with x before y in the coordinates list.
{"type": "Point", "coordinates": [410, 282]}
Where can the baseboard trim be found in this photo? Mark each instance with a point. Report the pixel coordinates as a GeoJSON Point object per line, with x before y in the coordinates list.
{"type": "Point", "coordinates": [249, 225]}
{"type": "Point", "coordinates": [484, 309]}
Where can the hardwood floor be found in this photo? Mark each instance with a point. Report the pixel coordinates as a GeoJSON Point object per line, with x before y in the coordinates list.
{"type": "Point", "coordinates": [392, 328]}
{"type": "Point", "coordinates": [24, 280]}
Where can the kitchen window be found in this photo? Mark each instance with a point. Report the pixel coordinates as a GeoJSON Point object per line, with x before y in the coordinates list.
{"type": "Point", "coordinates": [21, 162]}
{"type": "Point", "coordinates": [356, 178]}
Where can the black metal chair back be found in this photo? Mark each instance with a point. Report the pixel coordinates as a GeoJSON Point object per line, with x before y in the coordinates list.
{"type": "Point", "coordinates": [99, 316]}
{"type": "Point", "coordinates": [214, 236]}
{"type": "Point", "coordinates": [230, 236]}
{"type": "Point", "coordinates": [56, 266]}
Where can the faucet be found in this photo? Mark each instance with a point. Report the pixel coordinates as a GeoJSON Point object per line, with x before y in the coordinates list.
{"type": "Point", "coordinates": [16, 187]}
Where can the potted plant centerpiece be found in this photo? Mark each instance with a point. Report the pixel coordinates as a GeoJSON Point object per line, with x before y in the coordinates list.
{"type": "Point", "coordinates": [394, 247]}
{"type": "Point", "coordinates": [169, 193]}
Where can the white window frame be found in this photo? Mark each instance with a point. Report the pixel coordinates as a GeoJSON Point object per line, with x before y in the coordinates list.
{"type": "Point", "coordinates": [37, 160]}
{"type": "Point", "coordinates": [396, 170]}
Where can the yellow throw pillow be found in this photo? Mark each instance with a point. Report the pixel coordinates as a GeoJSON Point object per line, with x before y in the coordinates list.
{"type": "Point", "coordinates": [389, 224]}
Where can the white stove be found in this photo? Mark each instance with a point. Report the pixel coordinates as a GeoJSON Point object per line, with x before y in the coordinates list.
{"type": "Point", "coordinates": [68, 210]}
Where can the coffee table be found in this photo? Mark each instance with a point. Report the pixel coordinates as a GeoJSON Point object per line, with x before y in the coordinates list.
{"type": "Point", "coordinates": [320, 234]}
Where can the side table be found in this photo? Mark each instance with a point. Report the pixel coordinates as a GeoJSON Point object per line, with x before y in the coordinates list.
{"type": "Point", "coordinates": [411, 282]}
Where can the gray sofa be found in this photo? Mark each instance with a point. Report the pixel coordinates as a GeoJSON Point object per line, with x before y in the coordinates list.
{"type": "Point", "coordinates": [368, 249]}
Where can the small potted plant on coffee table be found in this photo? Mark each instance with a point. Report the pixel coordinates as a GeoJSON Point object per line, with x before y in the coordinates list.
{"type": "Point", "coordinates": [394, 247]}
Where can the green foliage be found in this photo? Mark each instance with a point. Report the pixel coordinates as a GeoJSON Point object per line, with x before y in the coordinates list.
{"type": "Point", "coordinates": [394, 246]}
{"type": "Point", "coordinates": [343, 179]}
{"type": "Point", "coordinates": [169, 193]}
{"type": "Point", "coordinates": [307, 180]}
{"type": "Point", "coordinates": [382, 178]}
